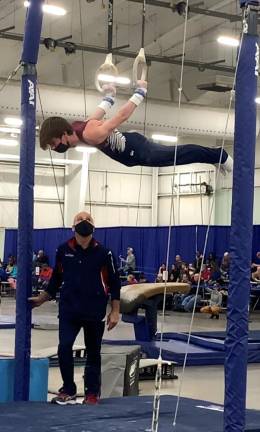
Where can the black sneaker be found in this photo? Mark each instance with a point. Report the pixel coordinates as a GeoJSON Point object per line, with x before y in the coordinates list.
{"type": "Point", "coordinates": [64, 399]}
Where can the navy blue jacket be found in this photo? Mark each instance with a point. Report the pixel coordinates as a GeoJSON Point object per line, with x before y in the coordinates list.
{"type": "Point", "coordinates": [85, 277]}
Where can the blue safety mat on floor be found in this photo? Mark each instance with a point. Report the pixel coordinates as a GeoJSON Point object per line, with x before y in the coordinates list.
{"type": "Point", "coordinates": [129, 414]}
{"type": "Point", "coordinates": [254, 335]}
{"type": "Point", "coordinates": [201, 350]}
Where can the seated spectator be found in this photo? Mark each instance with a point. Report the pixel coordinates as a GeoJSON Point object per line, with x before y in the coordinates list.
{"type": "Point", "coordinates": [3, 275]}
{"type": "Point", "coordinates": [10, 264]}
{"type": "Point", "coordinates": [225, 266]}
{"type": "Point", "coordinates": [131, 279]}
{"type": "Point", "coordinates": [184, 269]}
{"type": "Point", "coordinates": [12, 274]}
{"type": "Point", "coordinates": [191, 271]}
{"type": "Point", "coordinates": [128, 265]}
{"type": "Point", "coordinates": [162, 274]}
{"type": "Point", "coordinates": [174, 275]}
{"type": "Point", "coordinates": [41, 259]}
{"type": "Point", "coordinates": [185, 302]}
{"type": "Point", "coordinates": [186, 278]}
{"type": "Point", "coordinates": [212, 261]}
{"type": "Point", "coordinates": [256, 262]}
{"type": "Point", "coordinates": [215, 302]}
{"type": "Point", "coordinates": [255, 277]}
{"type": "Point", "coordinates": [142, 278]}
{"type": "Point", "coordinates": [205, 273]}
{"type": "Point", "coordinates": [190, 299]}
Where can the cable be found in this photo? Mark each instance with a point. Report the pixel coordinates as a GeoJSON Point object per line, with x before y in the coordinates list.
{"type": "Point", "coordinates": [206, 237]}
{"type": "Point", "coordinates": [141, 171]}
{"type": "Point", "coordinates": [10, 76]}
{"type": "Point", "coordinates": [52, 164]}
{"type": "Point", "coordinates": [84, 91]}
{"type": "Point", "coordinates": [158, 376]}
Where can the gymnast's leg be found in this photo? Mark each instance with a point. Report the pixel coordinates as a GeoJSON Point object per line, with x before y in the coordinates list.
{"type": "Point", "coordinates": [153, 154]}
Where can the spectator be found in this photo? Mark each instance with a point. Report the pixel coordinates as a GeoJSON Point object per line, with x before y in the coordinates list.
{"type": "Point", "coordinates": [174, 274]}
{"type": "Point", "coordinates": [197, 262]}
{"type": "Point", "coordinates": [129, 262]}
{"type": "Point", "coordinates": [205, 273]}
{"type": "Point", "coordinates": [215, 302]}
{"type": "Point", "coordinates": [184, 270]}
{"type": "Point", "coordinates": [12, 274]}
{"type": "Point", "coordinates": [255, 277]}
{"type": "Point", "coordinates": [212, 261]}
{"type": "Point", "coordinates": [189, 300]}
{"type": "Point", "coordinates": [41, 259]}
{"type": "Point", "coordinates": [256, 262]}
{"type": "Point", "coordinates": [142, 278]}
{"type": "Point", "coordinates": [224, 267]}
{"type": "Point", "coordinates": [10, 265]}
{"type": "Point", "coordinates": [131, 280]}
{"type": "Point", "coordinates": [161, 275]}
{"type": "Point", "coordinates": [178, 262]}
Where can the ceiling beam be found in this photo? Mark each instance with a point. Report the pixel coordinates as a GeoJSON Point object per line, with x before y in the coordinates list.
{"type": "Point", "coordinates": [192, 9]}
{"type": "Point", "coordinates": [129, 54]}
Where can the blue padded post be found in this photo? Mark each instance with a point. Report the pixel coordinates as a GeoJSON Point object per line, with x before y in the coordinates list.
{"type": "Point", "coordinates": [32, 34]}
{"type": "Point", "coordinates": [236, 344]}
{"type": "Point", "coordinates": [244, 3]}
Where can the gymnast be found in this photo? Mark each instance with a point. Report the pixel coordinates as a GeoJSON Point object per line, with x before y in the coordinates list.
{"type": "Point", "coordinates": [128, 148]}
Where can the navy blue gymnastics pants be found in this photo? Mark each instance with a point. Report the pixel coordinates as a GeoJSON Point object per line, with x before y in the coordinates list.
{"type": "Point", "coordinates": [141, 151]}
{"type": "Point", "coordinates": [93, 333]}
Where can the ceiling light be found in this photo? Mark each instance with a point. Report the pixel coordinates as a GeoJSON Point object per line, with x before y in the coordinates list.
{"type": "Point", "coordinates": [166, 138]}
{"type": "Point", "coordinates": [50, 9]}
{"type": "Point", "coordinates": [8, 142]}
{"type": "Point", "coordinates": [13, 121]}
{"type": "Point", "coordinates": [5, 129]}
{"type": "Point", "coordinates": [257, 100]}
{"type": "Point", "coordinates": [228, 40]}
{"type": "Point", "coordinates": [114, 79]}
{"type": "Point", "coordinates": [85, 149]}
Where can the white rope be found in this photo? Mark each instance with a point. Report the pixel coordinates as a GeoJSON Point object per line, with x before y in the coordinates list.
{"type": "Point", "coordinates": [10, 76]}
{"type": "Point", "coordinates": [158, 376]}
{"type": "Point", "coordinates": [232, 92]}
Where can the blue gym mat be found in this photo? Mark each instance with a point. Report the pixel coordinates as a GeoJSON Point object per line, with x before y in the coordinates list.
{"type": "Point", "coordinates": [129, 414]}
{"type": "Point", "coordinates": [205, 348]}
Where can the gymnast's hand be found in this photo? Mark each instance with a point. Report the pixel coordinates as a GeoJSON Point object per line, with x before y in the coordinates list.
{"type": "Point", "coordinates": [112, 319]}
{"type": "Point", "coordinates": [141, 84]}
{"type": "Point", "coordinates": [109, 90]}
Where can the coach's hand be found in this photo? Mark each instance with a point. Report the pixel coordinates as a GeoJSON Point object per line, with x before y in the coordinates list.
{"type": "Point", "coordinates": [112, 319]}
{"type": "Point", "coordinates": [39, 300]}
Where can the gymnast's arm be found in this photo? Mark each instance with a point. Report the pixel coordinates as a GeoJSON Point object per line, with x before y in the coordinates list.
{"type": "Point", "coordinates": [109, 91]}
{"type": "Point", "coordinates": [96, 132]}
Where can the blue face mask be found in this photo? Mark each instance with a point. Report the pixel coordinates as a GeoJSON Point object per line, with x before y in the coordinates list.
{"type": "Point", "coordinates": [61, 148]}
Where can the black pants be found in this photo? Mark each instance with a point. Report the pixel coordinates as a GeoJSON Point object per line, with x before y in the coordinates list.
{"type": "Point", "coordinates": [93, 333]}
{"type": "Point", "coordinates": [141, 151]}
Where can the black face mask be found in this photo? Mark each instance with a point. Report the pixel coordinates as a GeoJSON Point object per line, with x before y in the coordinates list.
{"type": "Point", "coordinates": [61, 148]}
{"type": "Point", "coordinates": [84, 228]}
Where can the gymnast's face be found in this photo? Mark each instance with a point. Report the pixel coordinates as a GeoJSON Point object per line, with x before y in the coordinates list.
{"type": "Point", "coordinates": [61, 145]}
